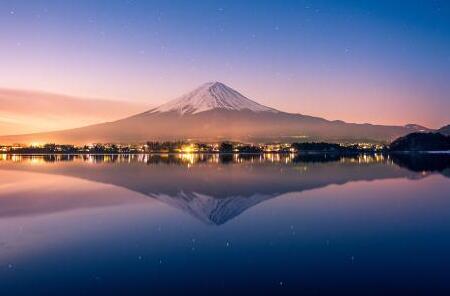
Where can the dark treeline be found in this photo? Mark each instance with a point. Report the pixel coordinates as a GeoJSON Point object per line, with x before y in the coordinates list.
{"type": "Point", "coordinates": [164, 146]}
{"type": "Point", "coordinates": [422, 162]}
{"type": "Point", "coordinates": [421, 142]}
{"type": "Point", "coordinates": [328, 147]}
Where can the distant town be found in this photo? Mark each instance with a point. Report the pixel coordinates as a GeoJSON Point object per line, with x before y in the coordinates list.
{"type": "Point", "coordinates": [187, 147]}
{"type": "Point", "coordinates": [410, 142]}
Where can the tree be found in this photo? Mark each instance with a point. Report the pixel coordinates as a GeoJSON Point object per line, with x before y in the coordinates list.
{"type": "Point", "coordinates": [226, 147]}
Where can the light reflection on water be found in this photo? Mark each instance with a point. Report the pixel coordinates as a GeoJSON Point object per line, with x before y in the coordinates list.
{"type": "Point", "coordinates": [205, 223]}
{"type": "Point", "coordinates": [192, 158]}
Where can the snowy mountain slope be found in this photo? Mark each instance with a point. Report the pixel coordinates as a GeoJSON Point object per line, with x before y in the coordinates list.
{"type": "Point", "coordinates": [209, 96]}
{"type": "Point", "coordinates": [445, 130]}
{"type": "Point", "coordinates": [209, 209]}
{"type": "Point", "coordinates": [417, 128]}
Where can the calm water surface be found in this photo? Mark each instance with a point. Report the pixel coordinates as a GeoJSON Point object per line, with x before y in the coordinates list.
{"type": "Point", "coordinates": [204, 224]}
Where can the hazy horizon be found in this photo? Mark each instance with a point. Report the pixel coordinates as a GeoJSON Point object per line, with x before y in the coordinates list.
{"type": "Point", "coordinates": [25, 111]}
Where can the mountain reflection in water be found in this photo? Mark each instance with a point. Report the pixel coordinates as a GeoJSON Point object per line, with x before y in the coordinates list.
{"type": "Point", "coordinates": [216, 188]}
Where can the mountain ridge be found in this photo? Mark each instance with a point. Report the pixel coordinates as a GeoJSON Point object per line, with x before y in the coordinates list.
{"type": "Point", "coordinates": [216, 112]}
{"type": "Point", "coordinates": [445, 130]}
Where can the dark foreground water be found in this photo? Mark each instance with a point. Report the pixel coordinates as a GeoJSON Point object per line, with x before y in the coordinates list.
{"type": "Point", "coordinates": [210, 225]}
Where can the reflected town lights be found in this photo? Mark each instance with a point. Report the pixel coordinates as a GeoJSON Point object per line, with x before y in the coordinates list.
{"type": "Point", "coordinates": [190, 158]}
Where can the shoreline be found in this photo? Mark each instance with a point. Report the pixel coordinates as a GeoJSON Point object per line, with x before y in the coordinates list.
{"type": "Point", "coordinates": [231, 153]}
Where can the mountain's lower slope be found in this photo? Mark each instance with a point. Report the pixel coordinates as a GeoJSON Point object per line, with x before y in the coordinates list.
{"type": "Point", "coordinates": [217, 125]}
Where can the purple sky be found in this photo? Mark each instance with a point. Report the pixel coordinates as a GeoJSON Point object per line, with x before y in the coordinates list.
{"type": "Point", "coordinates": [360, 61]}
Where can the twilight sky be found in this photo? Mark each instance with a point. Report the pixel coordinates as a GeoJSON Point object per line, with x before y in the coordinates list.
{"type": "Point", "coordinates": [360, 61]}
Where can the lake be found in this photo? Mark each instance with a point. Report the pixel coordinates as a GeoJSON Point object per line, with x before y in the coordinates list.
{"type": "Point", "coordinates": [222, 224]}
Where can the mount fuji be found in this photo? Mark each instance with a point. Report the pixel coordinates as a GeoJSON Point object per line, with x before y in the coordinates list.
{"type": "Point", "coordinates": [215, 112]}
{"type": "Point", "coordinates": [210, 96]}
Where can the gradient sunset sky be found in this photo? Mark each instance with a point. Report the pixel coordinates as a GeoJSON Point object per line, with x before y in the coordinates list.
{"type": "Point", "coordinates": [360, 61]}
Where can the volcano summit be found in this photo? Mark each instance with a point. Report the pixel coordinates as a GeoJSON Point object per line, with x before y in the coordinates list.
{"type": "Point", "coordinates": [210, 96]}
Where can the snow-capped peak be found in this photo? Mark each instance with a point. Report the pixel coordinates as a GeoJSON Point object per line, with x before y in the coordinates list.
{"type": "Point", "coordinates": [416, 127]}
{"type": "Point", "coordinates": [209, 96]}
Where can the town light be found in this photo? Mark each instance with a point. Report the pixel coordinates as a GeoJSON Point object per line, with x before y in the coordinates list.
{"type": "Point", "coordinates": [188, 148]}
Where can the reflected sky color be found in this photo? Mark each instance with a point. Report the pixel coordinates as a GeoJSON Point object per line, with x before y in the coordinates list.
{"type": "Point", "coordinates": [373, 61]}
{"type": "Point", "coordinates": [73, 224]}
